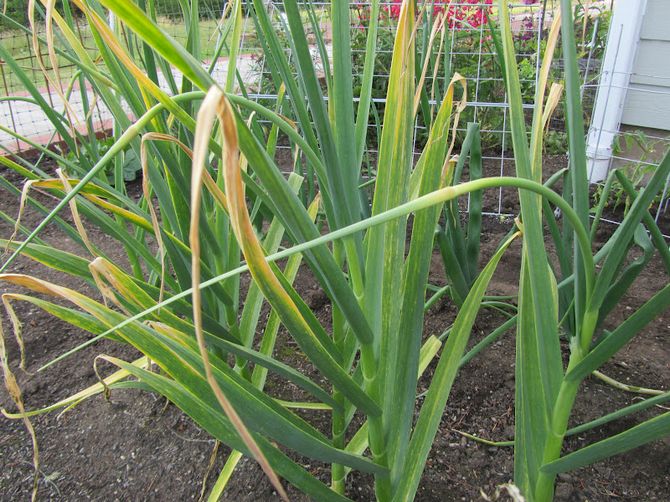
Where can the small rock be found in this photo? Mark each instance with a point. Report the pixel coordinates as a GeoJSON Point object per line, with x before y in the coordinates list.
{"type": "Point", "coordinates": [563, 491]}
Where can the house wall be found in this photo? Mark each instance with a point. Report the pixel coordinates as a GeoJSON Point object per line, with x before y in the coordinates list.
{"type": "Point", "coordinates": [648, 98]}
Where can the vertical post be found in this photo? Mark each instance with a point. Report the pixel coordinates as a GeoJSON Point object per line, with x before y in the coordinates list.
{"type": "Point", "coordinates": [622, 42]}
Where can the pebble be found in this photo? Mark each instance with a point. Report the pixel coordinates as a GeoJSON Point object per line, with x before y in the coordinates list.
{"type": "Point", "coordinates": [563, 491]}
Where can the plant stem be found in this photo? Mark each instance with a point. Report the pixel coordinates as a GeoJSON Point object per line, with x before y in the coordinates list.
{"type": "Point", "coordinates": [562, 409]}
{"type": "Point", "coordinates": [337, 473]}
{"type": "Point", "coordinates": [376, 429]}
{"type": "Point", "coordinates": [544, 488]}
{"type": "Point", "coordinates": [338, 425]}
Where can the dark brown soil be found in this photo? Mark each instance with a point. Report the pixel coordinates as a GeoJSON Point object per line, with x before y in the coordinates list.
{"type": "Point", "coordinates": [135, 447]}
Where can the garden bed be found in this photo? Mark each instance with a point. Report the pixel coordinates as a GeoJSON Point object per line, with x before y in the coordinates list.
{"type": "Point", "coordinates": [136, 447]}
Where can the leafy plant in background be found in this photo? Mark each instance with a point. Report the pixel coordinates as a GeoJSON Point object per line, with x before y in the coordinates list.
{"type": "Point", "coordinates": [613, 193]}
{"type": "Point", "coordinates": [179, 302]}
{"type": "Point", "coordinates": [591, 27]}
{"type": "Point", "coordinates": [131, 164]}
{"type": "Point", "coordinates": [15, 9]}
{"type": "Point", "coordinates": [555, 142]}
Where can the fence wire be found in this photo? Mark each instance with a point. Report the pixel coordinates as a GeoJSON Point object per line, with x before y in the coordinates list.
{"type": "Point", "coordinates": [467, 48]}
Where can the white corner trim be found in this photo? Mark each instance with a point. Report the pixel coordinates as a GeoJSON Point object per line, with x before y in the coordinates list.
{"type": "Point", "coordinates": [622, 42]}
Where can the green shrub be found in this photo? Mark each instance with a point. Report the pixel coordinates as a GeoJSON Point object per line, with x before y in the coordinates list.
{"type": "Point", "coordinates": [17, 10]}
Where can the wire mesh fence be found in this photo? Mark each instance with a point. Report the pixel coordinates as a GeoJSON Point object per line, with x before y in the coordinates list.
{"type": "Point", "coordinates": [465, 46]}
{"type": "Point", "coordinates": [637, 152]}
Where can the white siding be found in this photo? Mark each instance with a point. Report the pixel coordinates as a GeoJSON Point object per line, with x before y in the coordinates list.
{"type": "Point", "coordinates": [648, 99]}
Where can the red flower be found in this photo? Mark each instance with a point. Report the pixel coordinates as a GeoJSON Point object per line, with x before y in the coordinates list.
{"type": "Point", "coordinates": [461, 14]}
